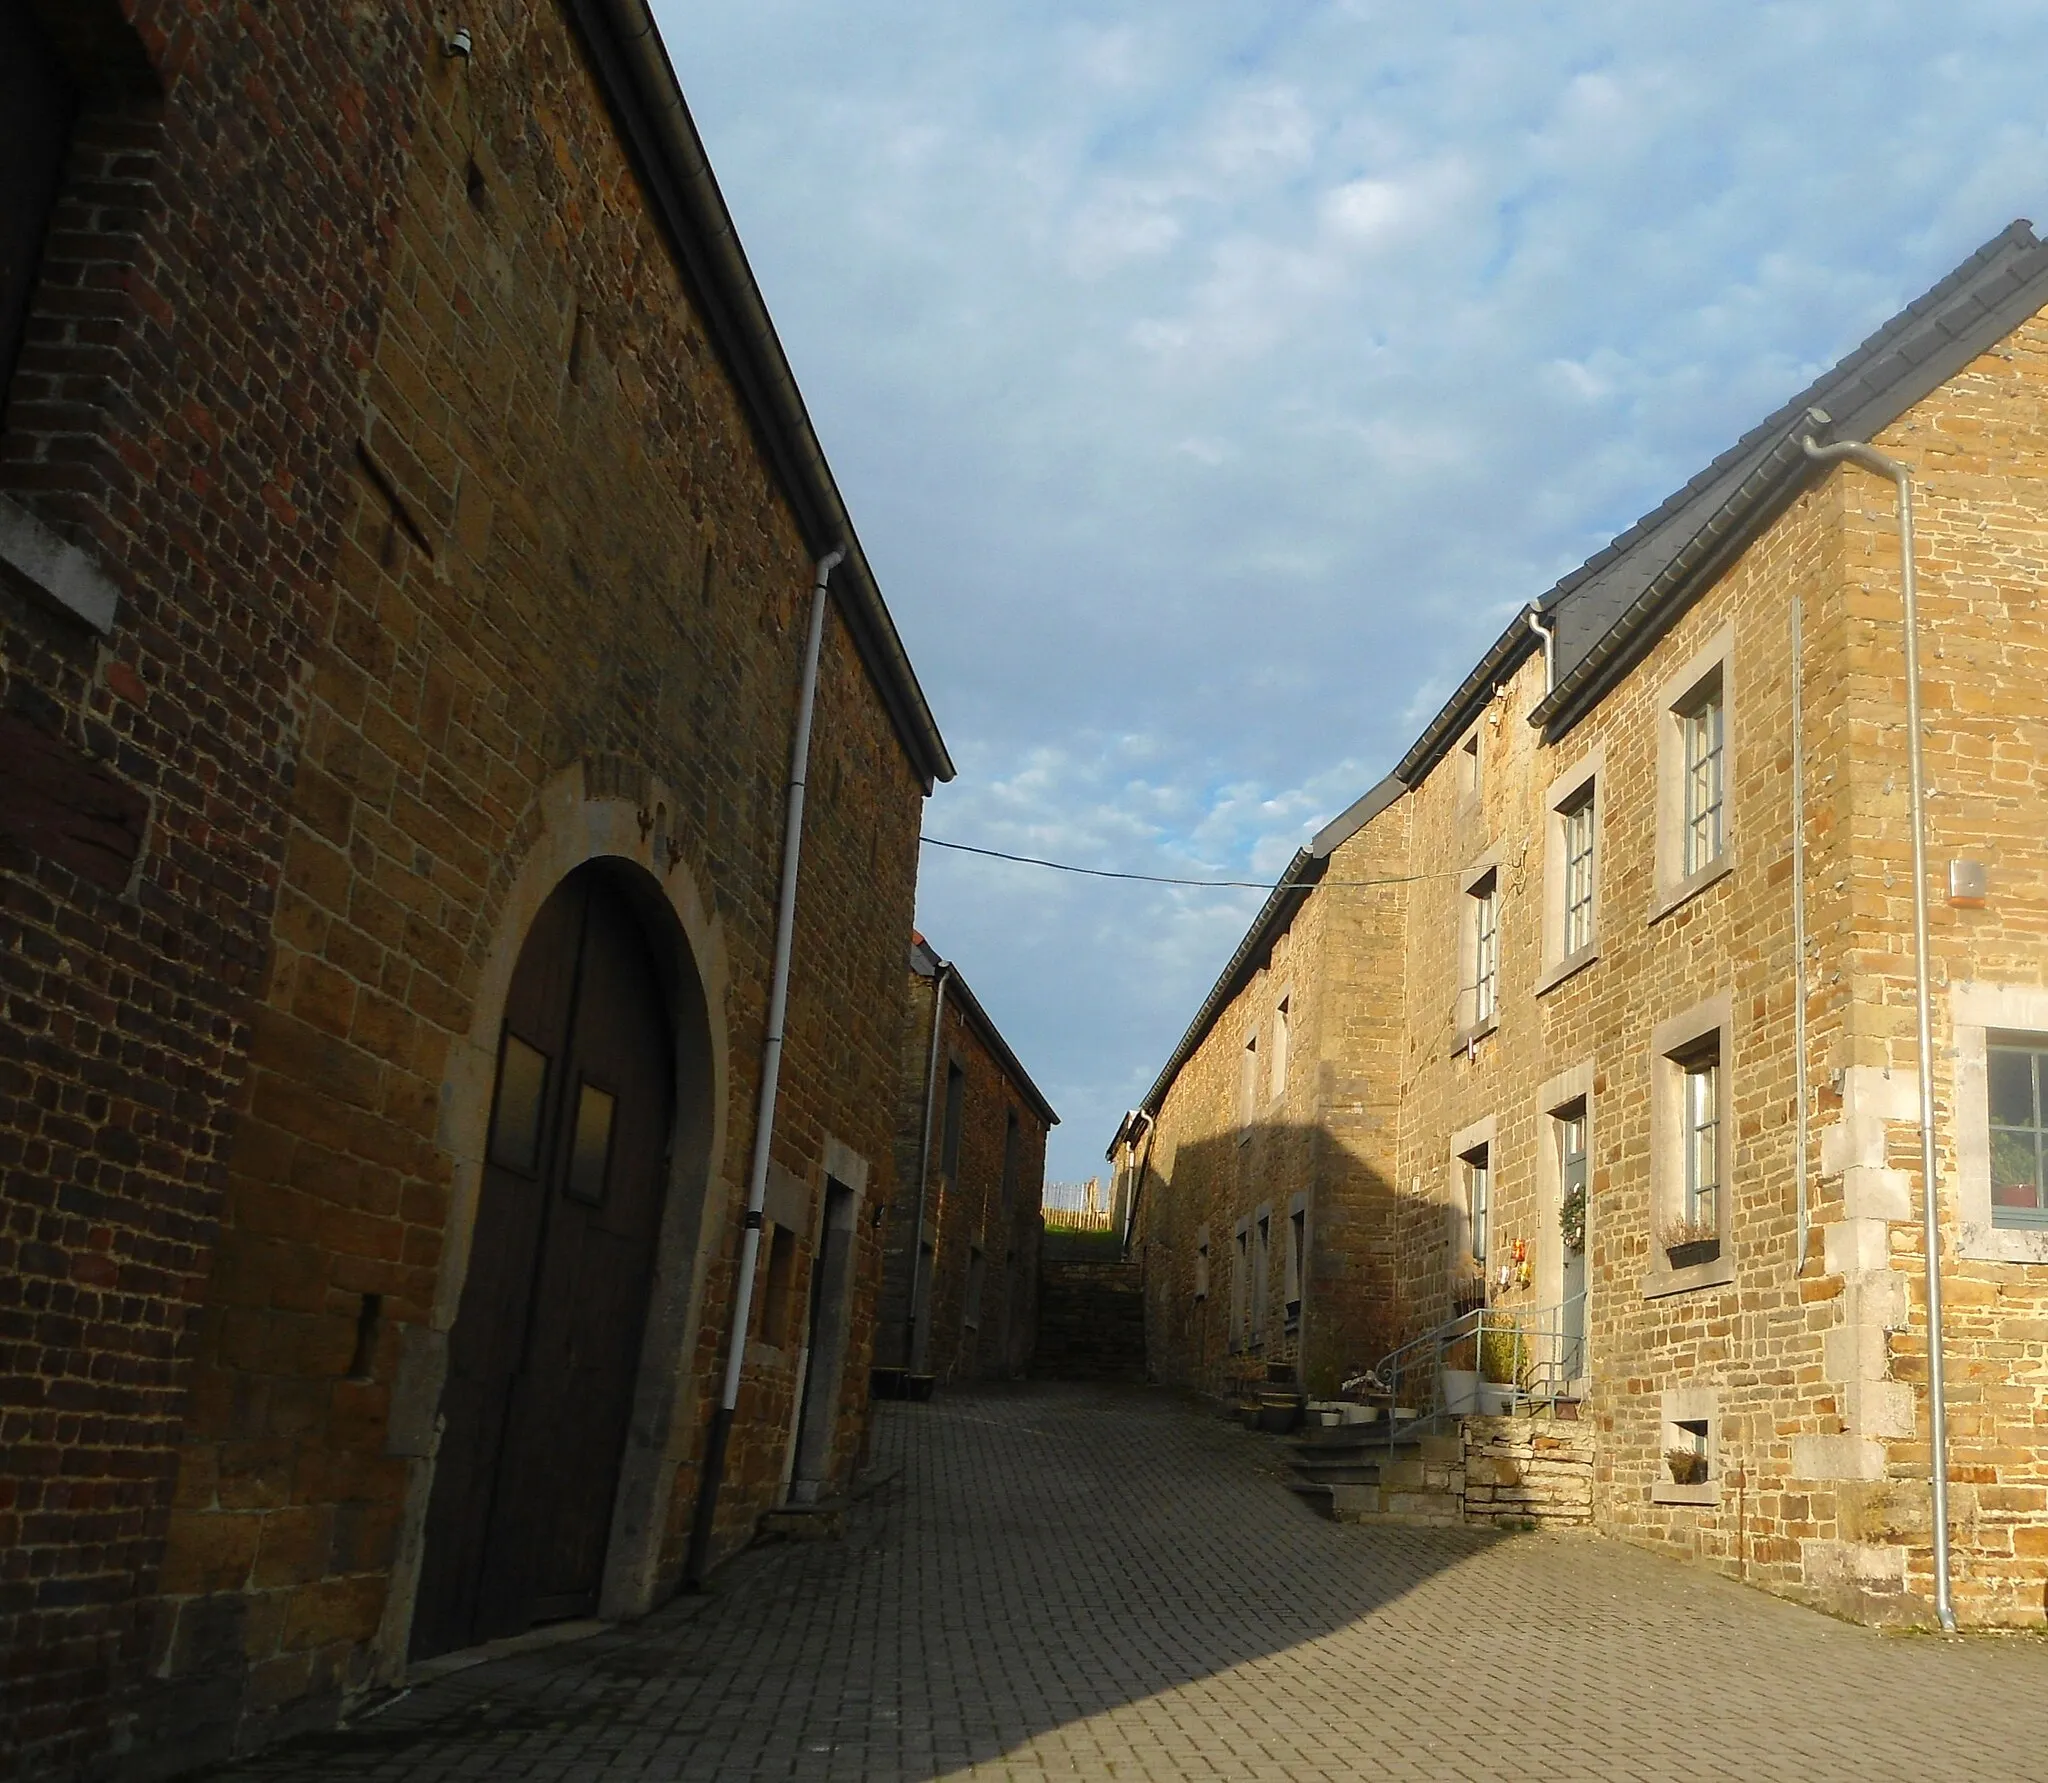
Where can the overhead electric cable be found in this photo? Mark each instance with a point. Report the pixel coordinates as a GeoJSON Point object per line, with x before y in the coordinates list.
{"type": "Point", "coordinates": [1032, 860]}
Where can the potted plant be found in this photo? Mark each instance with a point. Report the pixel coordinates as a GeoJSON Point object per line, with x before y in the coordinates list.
{"type": "Point", "coordinates": [1690, 1241]}
{"type": "Point", "coordinates": [1461, 1375]}
{"type": "Point", "coordinates": [1503, 1365]}
{"type": "Point", "coordinates": [1688, 1467]}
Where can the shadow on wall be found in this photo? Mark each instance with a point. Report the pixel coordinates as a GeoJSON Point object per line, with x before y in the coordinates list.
{"type": "Point", "coordinates": [1286, 1243]}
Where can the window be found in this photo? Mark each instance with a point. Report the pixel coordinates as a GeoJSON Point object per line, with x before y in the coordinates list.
{"type": "Point", "coordinates": [1702, 1143]}
{"type": "Point", "coordinates": [1688, 1467]}
{"type": "Point", "coordinates": [1240, 1285]}
{"type": "Point", "coordinates": [2017, 1065]}
{"type": "Point", "coordinates": [1691, 1157]}
{"type": "Point", "coordinates": [1477, 1171]}
{"type": "Point", "coordinates": [949, 1144]}
{"type": "Point", "coordinates": [1569, 1127]}
{"type": "Point", "coordinates": [1700, 729]}
{"type": "Point", "coordinates": [775, 1291]}
{"type": "Point", "coordinates": [1576, 823]}
{"type": "Point", "coordinates": [1247, 1085]}
{"type": "Point", "coordinates": [1468, 767]}
{"type": "Point", "coordinates": [977, 1275]}
{"type": "Point", "coordinates": [1297, 1258]}
{"type": "Point", "coordinates": [1282, 1017]}
{"type": "Point", "coordinates": [1485, 924]}
{"type": "Point", "coordinates": [1696, 785]}
{"type": "Point", "coordinates": [1201, 1262]}
{"type": "Point", "coordinates": [1262, 1269]}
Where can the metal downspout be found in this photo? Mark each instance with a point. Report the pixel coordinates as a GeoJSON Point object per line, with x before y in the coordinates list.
{"type": "Point", "coordinates": [1800, 1087]}
{"type": "Point", "coordinates": [699, 1559]}
{"type": "Point", "coordinates": [912, 1295]}
{"type": "Point", "coordinates": [1548, 634]}
{"type": "Point", "coordinates": [1872, 460]}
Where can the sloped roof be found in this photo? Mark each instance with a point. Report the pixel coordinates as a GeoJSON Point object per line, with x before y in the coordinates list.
{"type": "Point", "coordinates": [925, 962]}
{"type": "Point", "coordinates": [1606, 614]}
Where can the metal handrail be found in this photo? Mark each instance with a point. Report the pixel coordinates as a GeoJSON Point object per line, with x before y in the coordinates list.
{"type": "Point", "coordinates": [1543, 1353]}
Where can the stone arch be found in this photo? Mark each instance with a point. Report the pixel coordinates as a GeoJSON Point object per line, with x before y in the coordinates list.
{"type": "Point", "coordinates": [588, 813]}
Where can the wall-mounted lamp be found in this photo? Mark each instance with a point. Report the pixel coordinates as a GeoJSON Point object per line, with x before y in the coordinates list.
{"type": "Point", "coordinates": [1967, 884]}
{"type": "Point", "coordinates": [457, 46]}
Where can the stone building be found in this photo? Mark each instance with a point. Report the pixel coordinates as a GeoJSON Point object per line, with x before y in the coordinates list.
{"type": "Point", "coordinates": [409, 530]}
{"type": "Point", "coordinates": [1603, 1005]}
{"type": "Point", "coordinates": [971, 1129]}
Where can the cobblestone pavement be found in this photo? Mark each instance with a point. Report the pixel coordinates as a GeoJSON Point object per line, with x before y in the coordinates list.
{"type": "Point", "coordinates": [1080, 1582]}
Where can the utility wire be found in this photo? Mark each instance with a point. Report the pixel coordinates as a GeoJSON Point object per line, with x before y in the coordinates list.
{"type": "Point", "coordinates": [1032, 860]}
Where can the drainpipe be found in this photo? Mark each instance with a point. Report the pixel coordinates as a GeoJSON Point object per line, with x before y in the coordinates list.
{"type": "Point", "coordinates": [699, 1560]}
{"type": "Point", "coordinates": [1871, 460]}
{"type": "Point", "coordinates": [912, 1296]}
{"type": "Point", "coordinates": [1548, 634]}
{"type": "Point", "coordinates": [1799, 931]}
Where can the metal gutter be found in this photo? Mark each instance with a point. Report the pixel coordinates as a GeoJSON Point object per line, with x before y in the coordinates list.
{"type": "Point", "coordinates": [639, 84]}
{"type": "Point", "coordinates": [1510, 650]}
{"type": "Point", "coordinates": [1754, 502]}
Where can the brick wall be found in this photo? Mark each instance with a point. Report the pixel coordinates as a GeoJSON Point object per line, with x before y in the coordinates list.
{"type": "Point", "coordinates": [163, 418]}
{"type": "Point", "coordinates": [446, 550]}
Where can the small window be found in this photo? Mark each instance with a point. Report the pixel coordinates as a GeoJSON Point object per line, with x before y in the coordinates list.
{"type": "Point", "coordinates": [590, 1151]}
{"type": "Point", "coordinates": [1202, 1263]}
{"type": "Point", "coordinates": [1700, 725]}
{"type": "Point", "coordinates": [1262, 1269]}
{"type": "Point", "coordinates": [1297, 1256]}
{"type": "Point", "coordinates": [949, 1146]}
{"type": "Point", "coordinates": [522, 1097]}
{"type": "Point", "coordinates": [1468, 767]}
{"type": "Point", "coordinates": [1240, 1285]}
{"type": "Point", "coordinates": [1485, 921]}
{"type": "Point", "coordinates": [2018, 1066]}
{"type": "Point", "coordinates": [1478, 1174]}
{"type": "Point", "coordinates": [1247, 1084]}
{"type": "Point", "coordinates": [977, 1275]}
{"type": "Point", "coordinates": [1576, 826]}
{"type": "Point", "coordinates": [1282, 1017]}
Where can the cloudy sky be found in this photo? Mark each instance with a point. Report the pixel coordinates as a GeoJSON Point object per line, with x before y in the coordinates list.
{"type": "Point", "coordinates": [1209, 381]}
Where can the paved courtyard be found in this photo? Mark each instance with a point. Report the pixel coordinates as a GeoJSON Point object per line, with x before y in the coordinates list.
{"type": "Point", "coordinates": [1107, 1583]}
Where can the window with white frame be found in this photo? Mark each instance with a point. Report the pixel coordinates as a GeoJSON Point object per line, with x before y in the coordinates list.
{"type": "Point", "coordinates": [1699, 1210]}
{"type": "Point", "coordinates": [2017, 1078]}
{"type": "Point", "coordinates": [1702, 739]}
{"type": "Point", "coordinates": [1476, 1165]}
{"type": "Point", "coordinates": [1485, 932]}
{"type": "Point", "coordinates": [1575, 839]}
{"type": "Point", "coordinates": [1692, 1155]}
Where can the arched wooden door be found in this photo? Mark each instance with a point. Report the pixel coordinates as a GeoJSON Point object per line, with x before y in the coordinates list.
{"type": "Point", "coordinates": [546, 1343]}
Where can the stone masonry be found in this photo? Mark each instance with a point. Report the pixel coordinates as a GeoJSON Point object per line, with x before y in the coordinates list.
{"type": "Point", "coordinates": [459, 540]}
{"type": "Point", "coordinates": [1791, 1386]}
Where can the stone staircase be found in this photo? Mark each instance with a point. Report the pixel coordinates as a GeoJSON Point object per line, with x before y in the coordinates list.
{"type": "Point", "coordinates": [1351, 1472]}
{"type": "Point", "coordinates": [1091, 1321]}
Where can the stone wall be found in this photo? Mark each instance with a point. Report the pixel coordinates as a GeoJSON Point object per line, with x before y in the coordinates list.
{"type": "Point", "coordinates": [450, 558]}
{"type": "Point", "coordinates": [1523, 1471]}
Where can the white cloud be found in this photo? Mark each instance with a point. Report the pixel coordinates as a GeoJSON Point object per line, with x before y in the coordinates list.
{"type": "Point", "coordinates": [1210, 385]}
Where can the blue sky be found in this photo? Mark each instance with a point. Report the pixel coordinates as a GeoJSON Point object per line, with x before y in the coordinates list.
{"type": "Point", "coordinates": [1209, 382]}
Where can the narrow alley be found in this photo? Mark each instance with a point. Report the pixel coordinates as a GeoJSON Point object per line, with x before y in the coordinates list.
{"type": "Point", "coordinates": [1106, 1582]}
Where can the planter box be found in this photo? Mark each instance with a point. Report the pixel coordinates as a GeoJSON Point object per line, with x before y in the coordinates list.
{"type": "Point", "coordinates": [1496, 1399]}
{"type": "Point", "coordinates": [1701, 1250]}
{"type": "Point", "coordinates": [1461, 1391]}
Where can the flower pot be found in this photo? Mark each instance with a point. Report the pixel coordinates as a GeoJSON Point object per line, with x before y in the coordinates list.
{"type": "Point", "coordinates": [1461, 1391]}
{"type": "Point", "coordinates": [1496, 1399]}
{"type": "Point", "coordinates": [1697, 1250]}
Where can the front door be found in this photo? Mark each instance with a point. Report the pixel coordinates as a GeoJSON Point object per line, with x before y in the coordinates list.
{"type": "Point", "coordinates": [1572, 1211]}
{"type": "Point", "coordinates": [546, 1344]}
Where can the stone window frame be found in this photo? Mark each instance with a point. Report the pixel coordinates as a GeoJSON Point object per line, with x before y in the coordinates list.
{"type": "Point", "coordinates": [1977, 1010]}
{"type": "Point", "coordinates": [1247, 1084]}
{"type": "Point", "coordinates": [1585, 781]}
{"type": "Point", "coordinates": [1672, 1042]}
{"type": "Point", "coordinates": [1262, 1272]}
{"type": "Point", "coordinates": [1468, 1025]}
{"type": "Point", "coordinates": [1571, 1087]}
{"type": "Point", "coordinates": [1469, 761]}
{"type": "Point", "coordinates": [1480, 1134]}
{"type": "Point", "coordinates": [1672, 885]}
{"type": "Point", "coordinates": [1294, 1273]}
{"type": "Point", "coordinates": [1201, 1284]}
{"type": "Point", "coordinates": [1241, 1285]}
{"type": "Point", "coordinates": [1279, 1044]}
{"type": "Point", "coordinates": [1681, 1407]}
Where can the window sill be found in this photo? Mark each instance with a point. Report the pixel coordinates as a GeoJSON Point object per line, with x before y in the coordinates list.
{"type": "Point", "coordinates": [1993, 1243]}
{"type": "Point", "coordinates": [1569, 966]}
{"type": "Point", "coordinates": [1467, 1038]}
{"type": "Point", "coordinates": [766, 1355]}
{"type": "Point", "coordinates": [1662, 1280]}
{"type": "Point", "coordinates": [64, 576]}
{"type": "Point", "coordinates": [1707, 1492]}
{"type": "Point", "coordinates": [1671, 897]}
